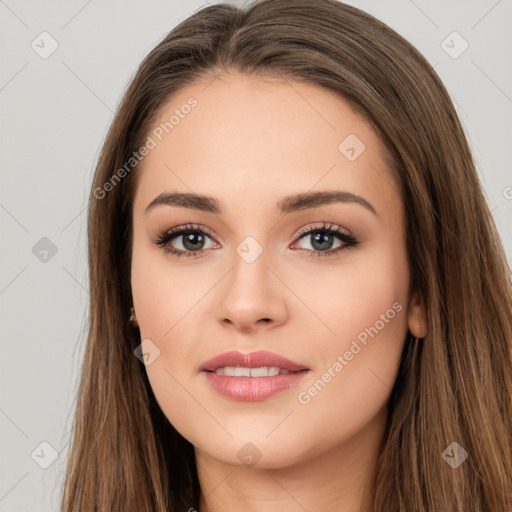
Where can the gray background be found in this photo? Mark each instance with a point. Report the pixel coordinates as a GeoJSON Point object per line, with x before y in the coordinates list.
{"type": "Point", "coordinates": [55, 114]}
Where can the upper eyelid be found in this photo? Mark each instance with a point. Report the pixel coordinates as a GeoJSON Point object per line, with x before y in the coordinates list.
{"type": "Point", "coordinates": [337, 231]}
{"type": "Point", "coordinates": [181, 230]}
{"type": "Point", "coordinates": [327, 226]}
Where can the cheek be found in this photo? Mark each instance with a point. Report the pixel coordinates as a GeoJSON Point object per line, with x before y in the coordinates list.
{"type": "Point", "coordinates": [366, 308]}
{"type": "Point", "coordinates": [163, 292]}
{"type": "Point", "coordinates": [164, 302]}
{"type": "Point", "coordinates": [352, 296]}
{"type": "Point", "coordinates": [167, 300]}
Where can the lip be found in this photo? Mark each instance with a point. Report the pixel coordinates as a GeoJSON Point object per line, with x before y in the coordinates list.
{"type": "Point", "coordinates": [251, 360]}
{"type": "Point", "coordinates": [252, 388]}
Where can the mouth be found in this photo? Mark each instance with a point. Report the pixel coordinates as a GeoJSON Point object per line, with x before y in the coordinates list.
{"type": "Point", "coordinates": [261, 363]}
{"type": "Point", "coordinates": [242, 371]}
{"type": "Point", "coordinates": [252, 377]}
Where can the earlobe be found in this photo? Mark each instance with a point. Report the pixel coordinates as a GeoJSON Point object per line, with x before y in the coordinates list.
{"type": "Point", "coordinates": [133, 318]}
{"type": "Point", "coordinates": [416, 317]}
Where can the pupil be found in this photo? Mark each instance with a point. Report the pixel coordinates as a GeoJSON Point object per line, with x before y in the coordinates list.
{"type": "Point", "coordinates": [323, 240]}
{"type": "Point", "coordinates": [193, 239]}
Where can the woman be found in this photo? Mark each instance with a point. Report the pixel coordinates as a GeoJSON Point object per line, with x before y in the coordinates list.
{"type": "Point", "coordinates": [298, 295]}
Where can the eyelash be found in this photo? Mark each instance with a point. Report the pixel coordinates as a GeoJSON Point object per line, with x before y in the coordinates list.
{"type": "Point", "coordinates": [164, 238]}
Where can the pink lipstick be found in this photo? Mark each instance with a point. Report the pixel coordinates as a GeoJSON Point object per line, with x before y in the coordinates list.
{"type": "Point", "coordinates": [252, 376]}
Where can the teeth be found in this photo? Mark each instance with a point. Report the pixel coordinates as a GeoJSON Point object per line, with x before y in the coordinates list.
{"type": "Point", "coordinates": [241, 371]}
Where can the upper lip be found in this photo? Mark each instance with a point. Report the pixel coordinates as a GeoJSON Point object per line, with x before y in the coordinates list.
{"type": "Point", "coordinates": [251, 360]}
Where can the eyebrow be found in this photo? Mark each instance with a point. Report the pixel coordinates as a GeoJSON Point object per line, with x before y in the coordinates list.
{"type": "Point", "coordinates": [288, 204]}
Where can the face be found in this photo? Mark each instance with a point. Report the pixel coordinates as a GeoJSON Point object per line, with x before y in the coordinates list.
{"type": "Point", "coordinates": [322, 283]}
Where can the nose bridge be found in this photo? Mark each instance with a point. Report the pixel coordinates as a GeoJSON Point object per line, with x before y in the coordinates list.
{"type": "Point", "coordinates": [252, 292]}
{"type": "Point", "coordinates": [250, 272]}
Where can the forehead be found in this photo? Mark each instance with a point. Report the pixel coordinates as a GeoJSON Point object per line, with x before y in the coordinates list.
{"type": "Point", "coordinates": [246, 137]}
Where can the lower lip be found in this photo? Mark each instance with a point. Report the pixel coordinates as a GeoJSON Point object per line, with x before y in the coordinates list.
{"type": "Point", "coordinates": [252, 388]}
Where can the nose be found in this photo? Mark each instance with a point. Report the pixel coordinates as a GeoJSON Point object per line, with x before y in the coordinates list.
{"type": "Point", "coordinates": [252, 298]}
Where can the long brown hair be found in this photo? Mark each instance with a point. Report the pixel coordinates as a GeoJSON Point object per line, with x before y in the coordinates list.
{"type": "Point", "coordinates": [455, 385]}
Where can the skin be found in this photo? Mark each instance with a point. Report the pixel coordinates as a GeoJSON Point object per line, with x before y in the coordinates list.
{"type": "Point", "coordinates": [249, 142]}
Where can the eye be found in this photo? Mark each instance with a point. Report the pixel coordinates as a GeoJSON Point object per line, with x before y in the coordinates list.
{"type": "Point", "coordinates": [321, 239]}
{"type": "Point", "coordinates": [192, 241]}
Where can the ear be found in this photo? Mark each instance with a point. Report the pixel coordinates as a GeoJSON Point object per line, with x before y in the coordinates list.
{"type": "Point", "coordinates": [133, 318]}
{"type": "Point", "coordinates": [416, 316]}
